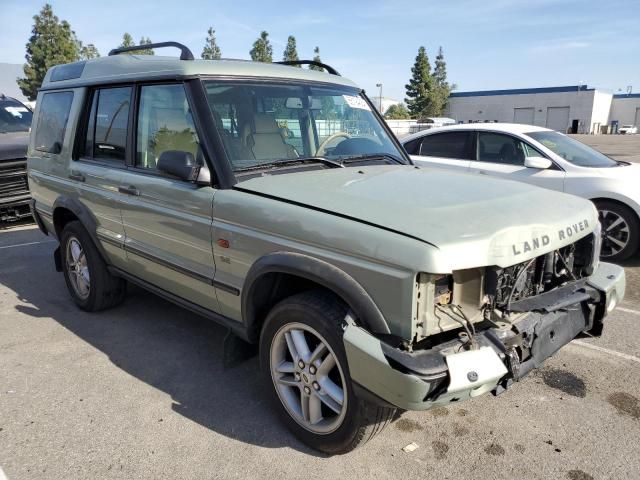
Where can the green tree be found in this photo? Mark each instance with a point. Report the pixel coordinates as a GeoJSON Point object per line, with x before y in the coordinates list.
{"type": "Point", "coordinates": [52, 42]}
{"type": "Point", "coordinates": [127, 41]}
{"type": "Point", "coordinates": [420, 87]}
{"type": "Point", "coordinates": [441, 89]}
{"type": "Point", "coordinates": [290, 52]}
{"type": "Point", "coordinates": [262, 50]}
{"type": "Point", "coordinates": [211, 50]}
{"type": "Point", "coordinates": [87, 52]}
{"type": "Point", "coordinates": [397, 112]}
{"type": "Point", "coordinates": [316, 58]}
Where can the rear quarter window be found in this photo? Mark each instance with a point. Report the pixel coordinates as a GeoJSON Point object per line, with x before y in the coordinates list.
{"type": "Point", "coordinates": [52, 121]}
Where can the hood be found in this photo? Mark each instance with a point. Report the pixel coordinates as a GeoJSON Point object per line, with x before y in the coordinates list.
{"type": "Point", "coordinates": [471, 221]}
{"type": "Point", "coordinates": [13, 146]}
{"type": "Point", "coordinates": [629, 172]}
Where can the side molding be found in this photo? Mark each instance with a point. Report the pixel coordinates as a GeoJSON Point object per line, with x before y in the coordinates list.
{"type": "Point", "coordinates": [320, 272]}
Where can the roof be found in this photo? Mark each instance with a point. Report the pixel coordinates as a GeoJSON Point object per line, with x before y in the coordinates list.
{"type": "Point", "coordinates": [522, 91]}
{"type": "Point", "coordinates": [123, 68]}
{"type": "Point", "coordinates": [500, 127]}
{"type": "Point", "coordinates": [626, 95]}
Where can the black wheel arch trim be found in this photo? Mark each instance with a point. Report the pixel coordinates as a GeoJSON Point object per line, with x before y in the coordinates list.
{"type": "Point", "coordinates": [320, 272]}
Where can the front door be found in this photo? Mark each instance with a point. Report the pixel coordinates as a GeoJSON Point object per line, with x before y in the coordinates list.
{"type": "Point", "coordinates": [501, 155]}
{"type": "Point", "coordinates": [168, 221]}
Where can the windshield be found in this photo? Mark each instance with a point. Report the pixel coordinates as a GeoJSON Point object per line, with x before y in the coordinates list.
{"type": "Point", "coordinates": [266, 124]}
{"type": "Point", "coordinates": [14, 117]}
{"type": "Point", "coordinates": [572, 150]}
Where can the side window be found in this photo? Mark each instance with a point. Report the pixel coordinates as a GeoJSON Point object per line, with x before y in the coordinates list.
{"type": "Point", "coordinates": [52, 121]}
{"type": "Point", "coordinates": [448, 145]}
{"type": "Point", "coordinates": [413, 147]}
{"type": "Point", "coordinates": [164, 123]}
{"type": "Point", "coordinates": [498, 148]}
{"type": "Point", "coordinates": [107, 124]}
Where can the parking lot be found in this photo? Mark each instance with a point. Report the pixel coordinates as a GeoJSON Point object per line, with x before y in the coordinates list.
{"type": "Point", "coordinates": [140, 392]}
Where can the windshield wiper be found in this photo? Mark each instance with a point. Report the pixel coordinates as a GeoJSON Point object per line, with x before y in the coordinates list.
{"type": "Point", "coordinates": [370, 156]}
{"type": "Point", "coordinates": [292, 161]}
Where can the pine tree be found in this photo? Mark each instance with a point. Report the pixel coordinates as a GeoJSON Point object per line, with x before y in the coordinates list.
{"type": "Point", "coordinates": [52, 42]}
{"type": "Point", "coordinates": [290, 52]}
{"type": "Point", "coordinates": [316, 58]}
{"type": "Point", "coordinates": [127, 41]}
{"type": "Point", "coordinates": [87, 52]}
{"type": "Point", "coordinates": [262, 50]}
{"type": "Point", "coordinates": [442, 89]}
{"type": "Point", "coordinates": [211, 50]}
{"type": "Point", "coordinates": [420, 87]}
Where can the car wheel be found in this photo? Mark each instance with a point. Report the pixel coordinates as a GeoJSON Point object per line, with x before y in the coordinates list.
{"type": "Point", "coordinates": [620, 231]}
{"type": "Point", "coordinates": [90, 284]}
{"type": "Point", "coordinates": [304, 362]}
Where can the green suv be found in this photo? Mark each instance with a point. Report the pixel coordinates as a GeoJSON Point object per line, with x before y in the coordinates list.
{"type": "Point", "coordinates": [275, 200]}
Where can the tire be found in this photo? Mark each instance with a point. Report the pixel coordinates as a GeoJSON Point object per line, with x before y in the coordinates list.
{"type": "Point", "coordinates": [623, 237]}
{"type": "Point", "coordinates": [79, 254]}
{"type": "Point", "coordinates": [343, 427]}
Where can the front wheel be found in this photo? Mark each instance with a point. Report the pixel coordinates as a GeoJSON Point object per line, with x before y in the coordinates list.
{"type": "Point", "coordinates": [620, 231]}
{"type": "Point", "coordinates": [304, 361]}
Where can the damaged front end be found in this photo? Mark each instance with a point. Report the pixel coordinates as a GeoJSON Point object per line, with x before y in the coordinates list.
{"type": "Point", "coordinates": [478, 330]}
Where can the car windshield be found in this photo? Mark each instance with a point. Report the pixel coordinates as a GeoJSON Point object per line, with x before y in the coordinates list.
{"type": "Point", "coordinates": [14, 116]}
{"type": "Point", "coordinates": [284, 123]}
{"type": "Point", "coordinates": [572, 150]}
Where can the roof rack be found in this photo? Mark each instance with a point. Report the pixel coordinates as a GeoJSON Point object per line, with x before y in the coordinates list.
{"type": "Point", "coordinates": [185, 53]}
{"type": "Point", "coordinates": [328, 68]}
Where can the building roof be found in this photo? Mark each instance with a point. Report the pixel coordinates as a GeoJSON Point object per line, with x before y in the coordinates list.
{"type": "Point", "coordinates": [627, 95]}
{"type": "Point", "coordinates": [123, 68]}
{"type": "Point", "coordinates": [522, 91]}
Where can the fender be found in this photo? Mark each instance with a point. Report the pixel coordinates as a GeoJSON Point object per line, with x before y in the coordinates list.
{"type": "Point", "coordinates": [85, 217]}
{"type": "Point", "coordinates": [320, 272]}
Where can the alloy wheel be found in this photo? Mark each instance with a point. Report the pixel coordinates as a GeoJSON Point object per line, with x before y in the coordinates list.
{"type": "Point", "coordinates": [615, 233]}
{"type": "Point", "coordinates": [77, 268]}
{"type": "Point", "coordinates": [308, 378]}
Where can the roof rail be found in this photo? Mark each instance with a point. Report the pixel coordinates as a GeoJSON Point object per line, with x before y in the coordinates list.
{"type": "Point", "coordinates": [328, 68]}
{"type": "Point", "coordinates": [185, 53]}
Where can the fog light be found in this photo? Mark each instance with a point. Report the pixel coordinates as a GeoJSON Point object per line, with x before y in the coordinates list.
{"type": "Point", "coordinates": [613, 302]}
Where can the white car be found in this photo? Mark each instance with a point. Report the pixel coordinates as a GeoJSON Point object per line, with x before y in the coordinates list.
{"type": "Point", "coordinates": [628, 129]}
{"type": "Point", "coordinates": [545, 158]}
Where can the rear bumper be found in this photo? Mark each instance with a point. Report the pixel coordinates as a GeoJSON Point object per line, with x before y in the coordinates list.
{"type": "Point", "coordinates": [422, 379]}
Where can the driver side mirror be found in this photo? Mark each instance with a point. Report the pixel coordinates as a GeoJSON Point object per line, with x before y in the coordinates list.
{"type": "Point", "coordinates": [539, 163]}
{"type": "Point", "coordinates": [180, 164]}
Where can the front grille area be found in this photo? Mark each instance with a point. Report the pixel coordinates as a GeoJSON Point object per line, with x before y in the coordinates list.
{"type": "Point", "coordinates": [541, 274]}
{"type": "Point", "coordinates": [13, 182]}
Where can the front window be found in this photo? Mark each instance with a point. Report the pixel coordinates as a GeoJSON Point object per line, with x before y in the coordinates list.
{"type": "Point", "coordinates": [14, 116]}
{"type": "Point", "coordinates": [267, 124]}
{"type": "Point", "coordinates": [572, 150]}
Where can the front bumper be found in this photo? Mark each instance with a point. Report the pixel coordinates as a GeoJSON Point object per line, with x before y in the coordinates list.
{"type": "Point", "coordinates": [426, 378]}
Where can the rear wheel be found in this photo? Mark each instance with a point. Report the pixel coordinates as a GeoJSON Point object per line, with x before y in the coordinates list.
{"type": "Point", "coordinates": [90, 284]}
{"type": "Point", "coordinates": [304, 361]}
{"type": "Point", "coordinates": [620, 231]}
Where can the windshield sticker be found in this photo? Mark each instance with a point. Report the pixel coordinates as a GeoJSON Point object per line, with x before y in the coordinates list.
{"type": "Point", "coordinates": [356, 102]}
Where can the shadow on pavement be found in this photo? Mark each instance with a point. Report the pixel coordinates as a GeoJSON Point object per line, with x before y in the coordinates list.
{"type": "Point", "coordinates": [163, 345]}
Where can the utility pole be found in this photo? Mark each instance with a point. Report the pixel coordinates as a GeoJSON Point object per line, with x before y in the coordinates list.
{"type": "Point", "coordinates": [379, 85]}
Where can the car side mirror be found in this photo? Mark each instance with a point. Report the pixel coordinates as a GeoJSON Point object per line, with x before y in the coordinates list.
{"type": "Point", "coordinates": [180, 164]}
{"type": "Point", "coordinates": [537, 162]}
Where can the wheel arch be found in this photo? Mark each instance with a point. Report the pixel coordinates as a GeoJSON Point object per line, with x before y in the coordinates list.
{"type": "Point", "coordinates": [278, 275]}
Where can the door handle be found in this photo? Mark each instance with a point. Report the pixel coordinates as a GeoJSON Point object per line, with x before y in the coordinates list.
{"type": "Point", "coordinates": [129, 190]}
{"type": "Point", "coordinates": [77, 176]}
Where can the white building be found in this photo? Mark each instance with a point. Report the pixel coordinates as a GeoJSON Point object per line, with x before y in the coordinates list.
{"type": "Point", "coordinates": [386, 103]}
{"type": "Point", "coordinates": [573, 109]}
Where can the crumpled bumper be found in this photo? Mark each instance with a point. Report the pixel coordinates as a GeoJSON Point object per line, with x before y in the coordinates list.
{"type": "Point", "coordinates": [423, 379]}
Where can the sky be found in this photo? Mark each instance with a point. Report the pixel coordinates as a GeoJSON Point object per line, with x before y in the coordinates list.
{"type": "Point", "coordinates": [488, 44]}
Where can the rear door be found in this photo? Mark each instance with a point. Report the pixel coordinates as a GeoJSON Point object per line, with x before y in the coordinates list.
{"type": "Point", "coordinates": [450, 150]}
{"type": "Point", "coordinates": [167, 221]}
{"type": "Point", "coordinates": [100, 161]}
{"type": "Point", "coordinates": [502, 155]}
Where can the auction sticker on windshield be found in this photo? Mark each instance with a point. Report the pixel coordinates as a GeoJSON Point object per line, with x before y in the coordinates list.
{"type": "Point", "coordinates": [356, 102]}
